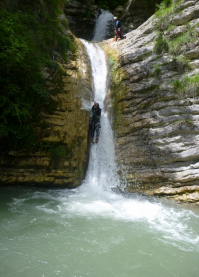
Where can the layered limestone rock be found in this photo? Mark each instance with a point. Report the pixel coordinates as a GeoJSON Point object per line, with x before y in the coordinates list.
{"type": "Point", "coordinates": [63, 130]}
{"type": "Point", "coordinates": [81, 16]}
{"type": "Point", "coordinates": [135, 13]}
{"type": "Point", "coordinates": [154, 104]}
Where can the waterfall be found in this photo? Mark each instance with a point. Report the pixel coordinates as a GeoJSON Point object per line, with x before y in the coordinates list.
{"type": "Point", "coordinates": [104, 27]}
{"type": "Point", "coordinates": [90, 230]}
{"type": "Point", "coordinates": [101, 174]}
{"type": "Point", "coordinates": [95, 196]}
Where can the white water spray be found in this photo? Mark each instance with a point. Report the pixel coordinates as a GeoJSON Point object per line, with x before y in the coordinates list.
{"type": "Point", "coordinates": [104, 25]}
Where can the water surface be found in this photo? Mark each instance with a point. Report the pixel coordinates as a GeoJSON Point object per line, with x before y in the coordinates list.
{"type": "Point", "coordinates": [76, 233]}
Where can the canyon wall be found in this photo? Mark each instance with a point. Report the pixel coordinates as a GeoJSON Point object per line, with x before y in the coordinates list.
{"type": "Point", "coordinates": [64, 126]}
{"type": "Point", "coordinates": [135, 13]}
{"type": "Point", "coordinates": [81, 16]}
{"type": "Point", "coordinates": [154, 104]}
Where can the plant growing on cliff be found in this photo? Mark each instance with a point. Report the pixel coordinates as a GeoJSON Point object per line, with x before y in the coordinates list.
{"type": "Point", "coordinates": [161, 44]}
{"type": "Point", "coordinates": [185, 39]}
{"type": "Point", "coordinates": [189, 122]}
{"type": "Point", "coordinates": [164, 12]}
{"type": "Point", "coordinates": [29, 38]}
{"type": "Point", "coordinates": [156, 72]}
{"type": "Point", "coordinates": [181, 63]}
{"type": "Point", "coordinates": [164, 8]}
{"type": "Point", "coordinates": [188, 86]}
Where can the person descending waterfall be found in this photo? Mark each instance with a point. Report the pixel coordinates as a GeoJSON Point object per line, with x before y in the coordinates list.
{"type": "Point", "coordinates": [95, 122]}
{"type": "Point", "coordinates": [118, 29]}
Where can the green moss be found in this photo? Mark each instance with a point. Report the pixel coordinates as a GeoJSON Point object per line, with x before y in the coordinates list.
{"type": "Point", "coordinates": [189, 122]}
{"type": "Point", "coordinates": [118, 91]}
{"type": "Point", "coordinates": [58, 151]}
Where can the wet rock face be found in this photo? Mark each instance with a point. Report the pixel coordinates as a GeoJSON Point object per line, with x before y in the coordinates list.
{"type": "Point", "coordinates": [81, 16]}
{"type": "Point", "coordinates": [64, 131]}
{"type": "Point", "coordinates": [155, 104]}
{"type": "Point", "coordinates": [135, 13]}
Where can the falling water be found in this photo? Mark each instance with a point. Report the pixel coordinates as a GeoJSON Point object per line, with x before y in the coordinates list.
{"type": "Point", "coordinates": [92, 231]}
{"type": "Point", "coordinates": [104, 26]}
{"type": "Point", "coordinates": [101, 174]}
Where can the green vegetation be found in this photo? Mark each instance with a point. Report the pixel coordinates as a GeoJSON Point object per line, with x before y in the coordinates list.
{"type": "Point", "coordinates": [181, 63]}
{"type": "Point", "coordinates": [165, 11]}
{"type": "Point", "coordinates": [156, 72]}
{"type": "Point", "coordinates": [189, 122]}
{"type": "Point", "coordinates": [161, 44]}
{"type": "Point", "coordinates": [56, 151]}
{"type": "Point", "coordinates": [31, 38]}
{"type": "Point", "coordinates": [188, 86]}
{"type": "Point", "coordinates": [110, 4]}
{"type": "Point", "coordinates": [164, 8]}
{"type": "Point", "coordinates": [184, 39]}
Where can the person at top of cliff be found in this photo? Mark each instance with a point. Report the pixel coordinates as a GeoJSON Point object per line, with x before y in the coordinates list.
{"type": "Point", "coordinates": [95, 126]}
{"type": "Point", "coordinates": [118, 29]}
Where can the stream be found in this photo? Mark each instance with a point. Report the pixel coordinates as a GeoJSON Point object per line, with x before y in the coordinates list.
{"type": "Point", "coordinates": [91, 230]}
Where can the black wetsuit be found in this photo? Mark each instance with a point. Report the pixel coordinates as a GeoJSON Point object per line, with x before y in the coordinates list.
{"type": "Point", "coordinates": [95, 121]}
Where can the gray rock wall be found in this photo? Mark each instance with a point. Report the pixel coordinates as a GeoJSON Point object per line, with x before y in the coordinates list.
{"type": "Point", "coordinates": [81, 16]}
{"type": "Point", "coordinates": [155, 104]}
{"type": "Point", "coordinates": [135, 13]}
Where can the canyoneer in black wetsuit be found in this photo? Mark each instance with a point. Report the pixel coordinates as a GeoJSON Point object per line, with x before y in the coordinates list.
{"type": "Point", "coordinates": [95, 122]}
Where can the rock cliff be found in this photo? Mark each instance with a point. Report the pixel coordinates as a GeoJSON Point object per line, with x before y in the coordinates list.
{"type": "Point", "coordinates": [81, 16]}
{"type": "Point", "coordinates": [135, 13]}
{"type": "Point", "coordinates": [63, 130]}
{"type": "Point", "coordinates": [154, 103]}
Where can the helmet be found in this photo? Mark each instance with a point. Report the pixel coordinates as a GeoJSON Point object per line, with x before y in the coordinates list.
{"type": "Point", "coordinates": [115, 17]}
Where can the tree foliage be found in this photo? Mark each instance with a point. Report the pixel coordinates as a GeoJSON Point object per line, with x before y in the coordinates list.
{"type": "Point", "coordinates": [110, 4]}
{"type": "Point", "coordinates": [30, 33]}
